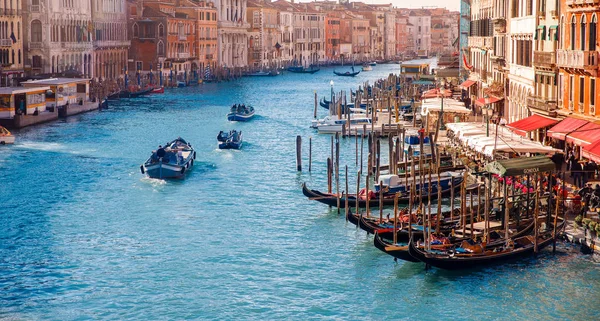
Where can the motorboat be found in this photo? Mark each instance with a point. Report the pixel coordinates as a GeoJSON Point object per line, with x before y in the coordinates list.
{"type": "Point", "coordinates": [173, 160]}
{"type": "Point", "coordinates": [355, 113]}
{"type": "Point", "coordinates": [240, 112]}
{"type": "Point", "coordinates": [263, 74]}
{"type": "Point", "coordinates": [392, 183]}
{"type": "Point", "coordinates": [6, 137]}
{"type": "Point", "coordinates": [366, 67]}
{"type": "Point", "coordinates": [334, 125]}
{"type": "Point", "coordinates": [231, 140]}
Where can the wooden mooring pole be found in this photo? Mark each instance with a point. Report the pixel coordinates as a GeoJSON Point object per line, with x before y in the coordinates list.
{"type": "Point", "coordinates": [299, 153]}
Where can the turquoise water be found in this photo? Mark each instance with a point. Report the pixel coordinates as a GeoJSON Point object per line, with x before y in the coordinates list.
{"type": "Point", "coordinates": [83, 235]}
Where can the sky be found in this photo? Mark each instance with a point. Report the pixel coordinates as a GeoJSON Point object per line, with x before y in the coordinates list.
{"type": "Point", "coordinates": [448, 4]}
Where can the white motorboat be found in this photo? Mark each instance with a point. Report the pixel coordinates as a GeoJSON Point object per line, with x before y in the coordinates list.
{"type": "Point", "coordinates": [366, 67]}
{"type": "Point", "coordinates": [335, 125]}
{"type": "Point", "coordinates": [6, 137]}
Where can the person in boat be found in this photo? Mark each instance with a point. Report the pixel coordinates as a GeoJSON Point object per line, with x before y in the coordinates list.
{"type": "Point", "coordinates": [160, 152]}
{"type": "Point", "coordinates": [180, 157]}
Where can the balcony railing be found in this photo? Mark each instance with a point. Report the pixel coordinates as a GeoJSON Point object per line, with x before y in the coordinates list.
{"type": "Point", "coordinates": [542, 58]}
{"type": "Point", "coordinates": [577, 2]}
{"type": "Point", "coordinates": [5, 42]}
{"type": "Point", "coordinates": [183, 55]}
{"type": "Point", "coordinates": [35, 45]}
{"type": "Point", "coordinates": [209, 57]}
{"type": "Point", "coordinates": [577, 59]}
{"type": "Point", "coordinates": [35, 8]}
{"type": "Point", "coordinates": [541, 103]}
{"type": "Point", "coordinates": [182, 37]}
{"type": "Point", "coordinates": [480, 42]}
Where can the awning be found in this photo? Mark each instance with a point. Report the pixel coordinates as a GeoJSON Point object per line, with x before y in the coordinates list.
{"type": "Point", "coordinates": [466, 84]}
{"type": "Point", "coordinates": [520, 166]}
{"type": "Point", "coordinates": [585, 135]}
{"type": "Point", "coordinates": [436, 92]}
{"type": "Point", "coordinates": [592, 151]}
{"type": "Point", "coordinates": [486, 101]}
{"type": "Point", "coordinates": [523, 126]}
{"type": "Point", "coordinates": [566, 126]}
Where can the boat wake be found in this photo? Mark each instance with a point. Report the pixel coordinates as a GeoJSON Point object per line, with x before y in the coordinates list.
{"type": "Point", "coordinates": [155, 182]}
{"type": "Point", "coordinates": [53, 147]}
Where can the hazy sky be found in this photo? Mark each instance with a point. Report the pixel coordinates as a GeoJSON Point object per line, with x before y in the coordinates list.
{"type": "Point", "coordinates": [448, 4]}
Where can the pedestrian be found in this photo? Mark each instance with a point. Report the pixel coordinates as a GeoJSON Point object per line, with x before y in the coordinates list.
{"type": "Point", "coordinates": [585, 174]}
{"type": "Point", "coordinates": [576, 171]}
{"type": "Point", "coordinates": [558, 159]}
{"type": "Point", "coordinates": [571, 164]}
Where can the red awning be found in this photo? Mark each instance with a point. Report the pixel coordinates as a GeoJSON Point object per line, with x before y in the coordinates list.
{"type": "Point", "coordinates": [486, 101]}
{"type": "Point", "coordinates": [466, 84]}
{"type": "Point", "coordinates": [566, 126]}
{"type": "Point", "coordinates": [585, 135]}
{"type": "Point", "coordinates": [436, 92]}
{"type": "Point", "coordinates": [523, 126]}
{"type": "Point", "coordinates": [592, 151]}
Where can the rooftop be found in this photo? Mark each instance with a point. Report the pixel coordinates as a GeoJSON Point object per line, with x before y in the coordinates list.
{"type": "Point", "coordinates": [20, 90]}
{"type": "Point", "coordinates": [56, 81]}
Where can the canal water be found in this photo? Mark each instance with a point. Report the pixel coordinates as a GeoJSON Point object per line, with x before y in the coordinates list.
{"type": "Point", "coordinates": [84, 235]}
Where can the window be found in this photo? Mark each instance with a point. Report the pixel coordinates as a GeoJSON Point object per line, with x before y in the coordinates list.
{"type": "Point", "coordinates": [592, 37]}
{"type": "Point", "coordinates": [138, 65]}
{"type": "Point", "coordinates": [571, 88]}
{"type": "Point", "coordinates": [582, 35]}
{"type": "Point", "coordinates": [160, 48]}
{"type": "Point", "coordinates": [161, 30]}
{"type": "Point", "coordinates": [573, 27]}
{"type": "Point", "coordinates": [592, 91]}
{"type": "Point", "coordinates": [581, 88]}
{"type": "Point", "coordinates": [36, 31]}
{"type": "Point", "coordinates": [560, 89]}
{"type": "Point", "coordinates": [136, 30]}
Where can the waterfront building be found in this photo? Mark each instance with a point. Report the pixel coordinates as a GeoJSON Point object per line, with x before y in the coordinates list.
{"type": "Point", "coordinates": [421, 21]}
{"type": "Point", "coordinates": [21, 101]}
{"type": "Point", "coordinates": [204, 51]}
{"type": "Point", "coordinates": [543, 99]}
{"type": "Point", "coordinates": [264, 34]}
{"type": "Point", "coordinates": [464, 28]}
{"type": "Point", "coordinates": [361, 38]}
{"type": "Point", "coordinates": [444, 30]}
{"type": "Point", "coordinates": [309, 32]}
{"type": "Point", "coordinates": [232, 39]}
{"type": "Point", "coordinates": [57, 37]}
{"type": "Point", "coordinates": [109, 33]}
{"type": "Point", "coordinates": [403, 36]}
{"type": "Point", "coordinates": [286, 31]}
{"type": "Point", "coordinates": [11, 42]}
{"type": "Point", "coordinates": [577, 59]}
{"type": "Point", "coordinates": [521, 76]}
{"type": "Point", "coordinates": [332, 37]}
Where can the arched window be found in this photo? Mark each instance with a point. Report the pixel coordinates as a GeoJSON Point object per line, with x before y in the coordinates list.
{"type": "Point", "coordinates": [160, 48]}
{"type": "Point", "coordinates": [583, 33]}
{"type": "Point", "coordinates": [161, 30]}
{"type": "Point", "coordinates": [136, 30]}
{"type": "Point", "coordinates": [573, 28]}
{"type": "Point", "coordinates": [36, 31]}
{"type": "Point", "coordinates": [19, 56]}
{"type": "Point", "coordinates": [592, 38]}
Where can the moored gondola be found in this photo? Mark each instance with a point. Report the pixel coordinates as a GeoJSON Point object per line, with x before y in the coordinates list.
{"type": "Point", "coordinates": [459, 259]}
{"type": "Point", "coordinates": [347, 73]}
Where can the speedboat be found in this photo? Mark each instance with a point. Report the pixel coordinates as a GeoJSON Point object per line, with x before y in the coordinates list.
{"type": "Point", "coordinates": [173, 160]}
{"type": "Point", "coordinates": [334, 125]}
{"type": "Point", "coordinates": [240, 113]}
{"type": "Point", "coordinates": [394, 183]}
{"type": "Point", "coordinates": [366, 67]}
{"type": "Point", "coordinates": [231, 140]}
{"type": "Point", "coordinates": [355, 113]}
{"type": "Point", "coordinates": [373, 63]}
{"type": "Point", "coordinates": [6, 137]}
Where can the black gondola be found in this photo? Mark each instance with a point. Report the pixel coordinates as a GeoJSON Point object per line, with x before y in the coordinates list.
{"type": "Point", "coordinates": [515, 248]}
{"type": "Point", "coordinates": [382, 241]}
{"type": "Point", "coordinates": [388, 199]}
{"type": "Point", "coordinates": [347, 73]}
{"type": "Point", "coordinates": [302, 70]}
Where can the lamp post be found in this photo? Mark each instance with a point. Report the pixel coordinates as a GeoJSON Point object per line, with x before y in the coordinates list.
{"type": "Point", "coordinates": [331, 97]}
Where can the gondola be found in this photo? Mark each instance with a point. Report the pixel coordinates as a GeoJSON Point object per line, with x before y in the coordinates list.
{"type": "Point", "coordinates": [388, 199]}
{"type": "Point", "coordinates": [302, 70]}
{"type": "Point", "coordinates": [347, 73]}
{"type": "Point", "coordinates": [383, 241]}
{"type": "Point", "coordinates": [455, 259]}
{"type": "Point", "coordinates": [325, 104]}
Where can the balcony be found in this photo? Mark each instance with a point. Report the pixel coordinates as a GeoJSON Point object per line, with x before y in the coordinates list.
{"type": "Point", "coordinates": [544, 59]}
{"type": "Point", "coordinates": [35, 45]}
{"type": "Point", "coordinates": [5, 42]}
{"type": "Point", "coordinates": [183, 55]}
{"type": "Point", "coordinates": [34, 8]}
{"type": "Point", "coordinates": [577, 59]}
{"type": "Point", "coordinates": [182, 37]}
{"type": "Point", "coordinates": [480, 42]}
{"type": "Point", "coordinates": [573, 3]}
{"type": "Point", "coordinates": [541, 104]}
{"type": "Point", "coordinates": [209, 57]}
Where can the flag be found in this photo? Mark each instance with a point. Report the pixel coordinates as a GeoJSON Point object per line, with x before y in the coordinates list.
{"type": "Point", "coordinates": [12, 37]}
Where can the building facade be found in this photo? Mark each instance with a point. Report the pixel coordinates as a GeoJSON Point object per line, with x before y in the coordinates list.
{"type": "Point", "coordinates": [232, 38]}
{"type": "Point", "coordinates": [264, 34]}
{"type": "Point", "coordinates": [110, 38]}
{"type": "Point", "coordinates": [11, 42]}
{"type": "Point", "coordinates": [58, 37]}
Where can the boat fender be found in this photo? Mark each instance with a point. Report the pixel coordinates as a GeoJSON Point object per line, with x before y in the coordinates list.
{"type": "Point", "coordinates": [183, 170]}
{"type": "Point", "coordinates": [142, 169]}
{"type": "Point", "coordinates": [192, 163]}
{"type": "Point", "coordinates": [194, 155]}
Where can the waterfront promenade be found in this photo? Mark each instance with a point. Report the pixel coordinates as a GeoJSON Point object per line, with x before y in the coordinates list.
{"type": "Point", "coordinates": [83, 235]}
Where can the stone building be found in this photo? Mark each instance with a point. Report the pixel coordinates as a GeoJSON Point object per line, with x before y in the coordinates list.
{"type": "Point", "coordinates": [11, 42]}
{"type": "Point", "coordinates": [58, 37]}
{"type": "Point", "coordinates": [232, 39]}
{"type": "Point", "coordinates": [109, 33]}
